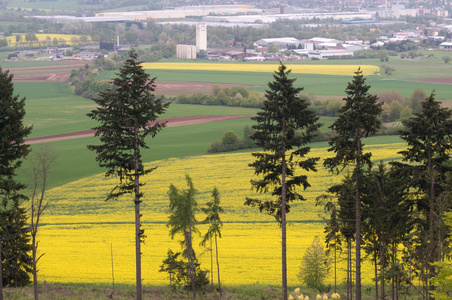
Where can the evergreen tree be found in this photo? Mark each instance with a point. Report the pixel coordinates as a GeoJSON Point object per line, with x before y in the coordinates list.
{"type": "Point", "coordinates": [387, 218]}
{"type": "Point", "coordinates": [16, 247]}
{"type": "Point", "coordinates": [213, 211]}
{"type": "Point", "coordinates": [341, 226]}
{"type": "Point", "coordinates": [127, 114]}
{"type": "Point", "coordinates": [15, 258]}
{"type": "Point", "coordinates": [183, 207]}
{"type": "Point", "coordinates": [428, 135]}
{"type": "Point", "coordinates": [358, 119]}
{"type": "Point", "coordinates": [285, 125]}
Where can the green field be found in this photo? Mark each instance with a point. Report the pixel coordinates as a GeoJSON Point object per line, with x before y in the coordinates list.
{"type": "Point", "coordinates": [314, 84]}
{"type": "Point", "coordinates": [30, 64]}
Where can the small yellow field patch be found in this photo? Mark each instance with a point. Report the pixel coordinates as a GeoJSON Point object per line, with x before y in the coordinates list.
{"type": "Point", "coordinates": [47, 39]}
{"type": "Point", "coordinates": [345, 70]}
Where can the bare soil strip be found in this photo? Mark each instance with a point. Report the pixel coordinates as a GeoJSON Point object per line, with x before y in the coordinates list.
{"type": "Point", "coordinates": [171, 122]}
{"type": "Point", "coordinates": [444, 80]}
{"type": "Point", "coordinates": [36, 74]}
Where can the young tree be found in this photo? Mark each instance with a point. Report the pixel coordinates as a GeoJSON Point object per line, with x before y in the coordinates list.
{"type": "Point", "coordinates": [183, 207]}
{"type": "Point", "coordinates": [127, 114]}
{"type": "Point", "coordinates": [429, 138]}
{"type": "Point", "coordinates": [358, 119]}
{"type": "Point", "coordinates": [172, 266]}
{"type": "Point", "coordinates": [213, 211]}
{"type": "Point", "coordinates": [285, 125]}
{"type": "Point", "coordinates": [42, 160]}
{"type": "Point", "coordinates": [314, 266]}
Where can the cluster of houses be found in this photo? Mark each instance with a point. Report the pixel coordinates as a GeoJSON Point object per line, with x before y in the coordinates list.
{"type": "Point", "coordinates": [321, 48]}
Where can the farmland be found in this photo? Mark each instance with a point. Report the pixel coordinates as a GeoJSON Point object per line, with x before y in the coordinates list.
{"type": "Point", "coordinates": [312, 75]}
{"type": "Point", "coordinates": [82, 226]}
{"type": "Point", "coordinates": [70, 39]}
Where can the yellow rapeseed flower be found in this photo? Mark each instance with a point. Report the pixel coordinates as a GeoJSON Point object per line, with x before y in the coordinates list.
{"type": "Point", "coordinates": [347, 70]}
{"type": "Point", "coordinates": [81, 228]}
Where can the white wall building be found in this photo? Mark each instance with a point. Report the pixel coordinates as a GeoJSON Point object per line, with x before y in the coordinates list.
{"type": "Point", "coordinates": [201, 37]}
{"type": "Point", "coordinates": [186, 51]}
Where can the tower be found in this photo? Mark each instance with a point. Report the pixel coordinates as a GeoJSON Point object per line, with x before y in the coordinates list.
{"type": "Point", "coordinates": [201, 37]}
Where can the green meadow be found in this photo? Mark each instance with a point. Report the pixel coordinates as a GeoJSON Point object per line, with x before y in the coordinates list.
{"type": "Point", "coordinates": [314, 84]}
{"type": "Point", "coordinates": [52, 108]}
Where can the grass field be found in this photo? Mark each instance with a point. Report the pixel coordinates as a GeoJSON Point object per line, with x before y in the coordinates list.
{"type": "Point", "coordinates": [313, 83]}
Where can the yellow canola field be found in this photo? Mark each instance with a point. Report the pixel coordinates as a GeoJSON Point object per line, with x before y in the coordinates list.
{"type": "Point", "coordinates": [80, 228]}
{"type": "Point", "coordinates": [48, 38]}
{"type": "Point", "coordinates": [346, 70]}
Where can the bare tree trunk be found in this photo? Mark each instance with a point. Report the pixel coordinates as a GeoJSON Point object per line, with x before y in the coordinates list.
{"type": "Point", "coordinates": [113, 273]}
{"type": "Point", "coordinates": [349, 270]}
{"type": "Point", "coordinates": [1, 266]}
{"type": "Point", "coordinates": [382, 268]}
{"type": "Point", "coordinates": [431, 254]}
{"type": "Point", "coordinates": [393, 274]}
{"type": "Point", "coordinates": [35, 271]}
{"type": "Point", "coordinates": [376, 274]}
{"type": "Point", "coordinates": [358, 222]}
{"type": "Point", "coordinates": [211, 263]}
{"type": "Point", "coordinates": [191, 261]}
{"type": "Point", "coordinates": [42, 161]}
{"type": "Point", "coordinates": [218, 264]}
{"type": "Point", "coordinates": [283, 213]}
{"type": "Point", "coordinates": [335, 268]}
{"type": "Point", "coordinates": [137, 218]}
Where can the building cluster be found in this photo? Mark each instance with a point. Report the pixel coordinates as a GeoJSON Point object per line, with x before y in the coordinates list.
{"type": "Point", "coordinates": [192, 51]}
{"type": "Point", "coordinates": [248, 14]}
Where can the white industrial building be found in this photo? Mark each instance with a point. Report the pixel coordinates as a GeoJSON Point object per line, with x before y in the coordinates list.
{"type": "Point", "coordinates": [183, 12]}
{"type": "Point", "coordinates": [191, 51]}
{"type": "Point", "coordinates": [281, 43]}
{"type": "Point", "coordinates": [201, 37]}
{"type": "Point", "coordinates": [186, 51]}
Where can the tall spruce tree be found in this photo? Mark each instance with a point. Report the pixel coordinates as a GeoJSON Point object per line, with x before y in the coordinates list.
{"type": "Point", "coordinates": [358, 119]}
{"type": "Point", "coordinates": [127, 114]}
{"type": "Point", "coordinates": [15, 258]}
{"type": "Point", "coordinates": [387, 216]}
{"type": "Point", "coordinates": [285, 125]}
{"type": "Point", "coordinates": [428, 135]}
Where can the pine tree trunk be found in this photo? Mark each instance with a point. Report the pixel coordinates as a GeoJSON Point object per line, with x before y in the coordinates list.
{"type": "Point", "coordinates": [349, 270]}
{"type": "Point", "coordinates": [211, 263]}
{"type": "Point", "coordinates": [358, 222]}
{"type": "Point", "coordinates": [35, 271]}
{"type": "Point", "coordinates": [137, 218]}
{"type": "Point", "coordinates": [283, 213]}
{"type": "Point", "coordinates": [376, 274]}
{"type": "Point", "coordinates": [218, 264]}
{"type": "Point", "coordinates": [1, 266]}
{"type": "Point", "coordinates": [191, 261]}
{"type": "Point", "coordinates": [382, 267]}
{"type": "Point", "coordinates": [335, 268]}
{"type": "Point", "coordinates": [431, 255]}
